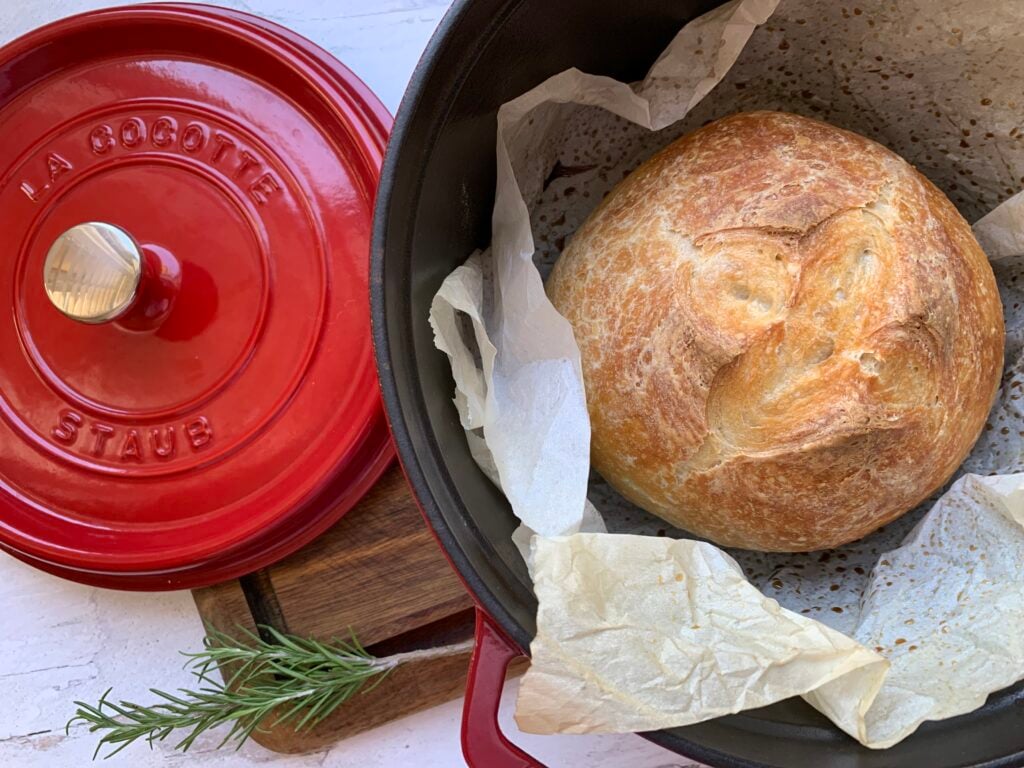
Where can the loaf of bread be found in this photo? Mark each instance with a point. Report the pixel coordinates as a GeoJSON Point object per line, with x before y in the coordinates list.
{"type": "Point", "coordinates": [789, 337]}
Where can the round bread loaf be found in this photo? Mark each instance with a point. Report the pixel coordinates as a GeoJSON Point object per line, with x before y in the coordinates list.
{"type": "Point", "coordinates": [789, 336]}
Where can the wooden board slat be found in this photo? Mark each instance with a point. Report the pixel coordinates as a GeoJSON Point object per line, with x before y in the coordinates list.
{"type": "Point", "coordinates": [379, 572]}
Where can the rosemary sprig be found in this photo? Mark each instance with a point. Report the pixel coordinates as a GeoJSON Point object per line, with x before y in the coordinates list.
{"type": "Point", "coordinates": [287, 679]}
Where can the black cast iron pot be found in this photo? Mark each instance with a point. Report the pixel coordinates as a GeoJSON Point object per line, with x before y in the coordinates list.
{"type": "Point", "coordinates": [433, 209]}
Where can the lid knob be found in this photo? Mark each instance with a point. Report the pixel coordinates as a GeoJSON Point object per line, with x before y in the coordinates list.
{"type": "Point", "coordinates": [92, 272]}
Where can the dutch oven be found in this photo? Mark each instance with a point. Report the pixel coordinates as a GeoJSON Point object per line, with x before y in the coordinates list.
{"type": "Point", "coordinates": [433, 209]}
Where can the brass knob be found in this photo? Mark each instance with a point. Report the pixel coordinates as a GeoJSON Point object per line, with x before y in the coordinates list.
{"type": "Point", "coordinates": [92, 272]}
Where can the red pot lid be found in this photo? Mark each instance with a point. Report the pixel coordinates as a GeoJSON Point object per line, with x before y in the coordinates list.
{"type": "Point", "coordinates": [186, 376]}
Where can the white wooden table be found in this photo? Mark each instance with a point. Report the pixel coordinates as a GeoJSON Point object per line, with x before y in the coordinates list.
{"type": "Point", "coordinates": [60, 641]}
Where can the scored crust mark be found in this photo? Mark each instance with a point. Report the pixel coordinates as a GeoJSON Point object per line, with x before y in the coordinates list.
{"type": "Point", "coordinates": [788, 336]}
{"type": "Point", "coordinates": [821, 336]}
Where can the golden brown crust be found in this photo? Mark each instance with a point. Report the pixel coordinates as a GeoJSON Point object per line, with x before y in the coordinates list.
{"type": "Point", "coordinates": [789, 336]}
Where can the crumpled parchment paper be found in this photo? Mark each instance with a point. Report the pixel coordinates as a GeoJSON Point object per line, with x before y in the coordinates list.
{"type": "Point", "coordinates": [919, 621]}
{"type": "Point", "coordinates": [621, 611]}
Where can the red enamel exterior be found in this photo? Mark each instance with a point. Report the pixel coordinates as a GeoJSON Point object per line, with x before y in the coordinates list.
{"type": "Point", "coordinates": [483, 743]}
{"type": "Point", "coordinates": [208, 441]}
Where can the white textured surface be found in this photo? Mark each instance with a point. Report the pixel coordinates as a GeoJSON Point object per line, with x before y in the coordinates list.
{"type": "Point", "coordinates": [60, 641]}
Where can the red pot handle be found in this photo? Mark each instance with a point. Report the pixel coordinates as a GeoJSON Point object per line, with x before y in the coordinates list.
{"type": "Point", "coordinates": [483, 743]}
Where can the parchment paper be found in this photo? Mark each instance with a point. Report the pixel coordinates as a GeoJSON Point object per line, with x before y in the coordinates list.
{"type": "Point", "coordinates": [618, 651]}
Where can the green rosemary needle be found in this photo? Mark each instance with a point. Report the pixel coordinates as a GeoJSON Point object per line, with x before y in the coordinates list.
{"type": "Point", "coordinates": [281, 680]}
